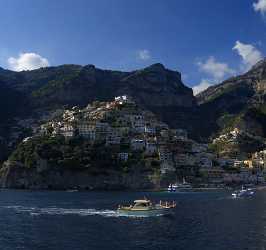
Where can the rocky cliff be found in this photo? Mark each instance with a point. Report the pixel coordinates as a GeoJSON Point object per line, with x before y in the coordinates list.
{"type": "Point", "coordinates": [78, 85]}
{"type": "Point", "coordinates": [15, 175]}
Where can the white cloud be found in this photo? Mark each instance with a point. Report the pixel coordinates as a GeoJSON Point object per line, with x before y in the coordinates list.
{"type": "Point", "coordinates": [217, 70]}
{"type": "Point", "coordinates": [260, 6]}
{"type": "Point", "coordinates": [250, 55]}
{"type": "Point", "coordinates": [27, 61]}
{"type": "Point", "coordinates": [144, 54]}
{"type": "Point", "coordinates": [204, 84]}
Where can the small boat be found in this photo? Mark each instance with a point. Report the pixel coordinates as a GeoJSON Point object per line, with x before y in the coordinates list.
{"type": "Point", "coordinates": [243, 192]}
{"type": "Point", "coordinates": [72, 190]}
{"type": "Point", "coordinates": [172, 188]}
{"type": "Point", "coordinates": [179, 186]}
{"type": "Point", "coordinates": [145, 207]}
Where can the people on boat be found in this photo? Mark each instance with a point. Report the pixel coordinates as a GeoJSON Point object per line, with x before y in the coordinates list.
{"type": "Point", "coordinates": [145, 205]}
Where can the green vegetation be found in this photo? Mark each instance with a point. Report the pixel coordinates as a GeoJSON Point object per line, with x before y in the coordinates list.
{"type": "Point", "coordinates": [262, 109]}
{"type": "Point", "coordinates": [77, 154]}
{"type": "Point", "coordinates": [227, 89]}
{"type": "Point", "coordinates": [59, 82]}
{"type": "Point", "coordinates": [227, 122]}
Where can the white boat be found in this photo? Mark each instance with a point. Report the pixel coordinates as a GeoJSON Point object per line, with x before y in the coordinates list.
{"type": "Point", "coordinates": [145, 207]}
{"type": "Point", "coordinates": [179, 186]}
{"type": "Point", "coordinates": [243, 192]}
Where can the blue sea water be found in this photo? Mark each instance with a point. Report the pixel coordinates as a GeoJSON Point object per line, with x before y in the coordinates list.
{"type": "Point", "coordinates": [88, 220]}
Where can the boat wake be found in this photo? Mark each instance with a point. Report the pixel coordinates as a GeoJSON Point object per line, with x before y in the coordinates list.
{"type": "Point", "coordinates": [35, 211]}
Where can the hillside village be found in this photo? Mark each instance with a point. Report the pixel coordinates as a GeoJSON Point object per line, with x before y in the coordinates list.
{"type": "Point", "coordinates": [127, 130]}
{"type": "Point", "coordinates": [122, 125]}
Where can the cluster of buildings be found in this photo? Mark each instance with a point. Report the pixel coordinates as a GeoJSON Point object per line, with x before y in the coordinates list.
{"type": "Point", "coordinates": [19, 128]}
{"type": "Point", "coordinates": [128, 130]}
{"type": "Point", "coordinates": [121, 124]}
{"type": "Point", "coordinates": [234, 167]}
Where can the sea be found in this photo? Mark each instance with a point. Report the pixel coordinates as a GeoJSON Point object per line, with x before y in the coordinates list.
{"type": "Point", "coordinates": [69, 220]}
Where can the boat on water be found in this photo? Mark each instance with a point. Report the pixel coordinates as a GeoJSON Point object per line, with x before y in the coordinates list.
{"type": "Point", "coordinates": [243, 192]}
{"type": "Point", "coordinates": [179, 186]}
{"type": "Point", "coordinates": [145, 207]}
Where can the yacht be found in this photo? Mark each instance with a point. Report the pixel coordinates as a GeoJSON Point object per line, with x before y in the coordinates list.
{"type": "Point", "coordinates": [179, 186]}
{"type": "Point", "coordinates": [145, 207]}
{"type": "Point", "coordinates": [243, 192]}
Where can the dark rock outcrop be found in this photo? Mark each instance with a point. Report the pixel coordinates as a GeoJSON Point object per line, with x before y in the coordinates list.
{"type": "Point", "coordinates": [15, 175]}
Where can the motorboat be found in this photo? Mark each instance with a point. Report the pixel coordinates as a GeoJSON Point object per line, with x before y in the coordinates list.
{"type": "Point", "coordinates": [243, 192]}
{"type": "Point", "coordinates": [145, 207]}
{"type": "Point", "coordinates": [179, 186]}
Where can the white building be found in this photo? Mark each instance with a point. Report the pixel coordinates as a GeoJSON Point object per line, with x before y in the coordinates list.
{"type": "Point", "coordinates": [123, 99]}
{"type": "Point", "coordinates": [238, 163]}
{"type": "Point", "coordinates": [123, 156]}
{"type": "Point", "coordinates": [67, 130]}
{"type": "Point", "coordinates": [149, 130]}
{"type": "Point", "coordinates": [137, 144]}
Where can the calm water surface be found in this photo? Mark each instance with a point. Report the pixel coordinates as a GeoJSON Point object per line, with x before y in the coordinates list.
{"type": "Point", "coordinates": [87, 220]}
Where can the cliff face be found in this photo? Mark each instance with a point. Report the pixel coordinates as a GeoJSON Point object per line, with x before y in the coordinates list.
{"type": "Point", "coordinates": [154, 87]}
{"type": "Point", "coordinates": [15, 175]}
{"type": "Point", "coordinates": [78, 85]}
{"type": "Point", "coordinates": [157, 86]}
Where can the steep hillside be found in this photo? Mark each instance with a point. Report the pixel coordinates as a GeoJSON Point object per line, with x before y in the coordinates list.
{"type": "Point", "coordinates": [238, 101]}
{"type": "Point", "coordinates": [33, 95]}
{"type": "Point", "coordinates": [116, 143]}
{"type": "Point", "coordinates": [74, 84]}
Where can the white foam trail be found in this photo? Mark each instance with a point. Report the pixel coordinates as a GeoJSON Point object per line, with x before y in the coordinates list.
{"type": "Point", "coordinates": [35, 211]}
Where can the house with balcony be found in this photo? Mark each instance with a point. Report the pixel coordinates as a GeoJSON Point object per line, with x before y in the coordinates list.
{"type": "Point", "coordinates": [67, 131]}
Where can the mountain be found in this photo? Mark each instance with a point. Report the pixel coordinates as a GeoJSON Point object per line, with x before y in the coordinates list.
{"type": "Point", "coordinates": [238, 102]}
{"type": "Point", "coordinates": [28, 97]}
{"type": "Point", "coordinates": [74, 84]}
{"type": "Point", "coordinates": [31, 95]}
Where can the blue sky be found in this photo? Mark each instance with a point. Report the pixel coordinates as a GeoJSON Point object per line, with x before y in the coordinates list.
{"type": "Point", "coordinates": [195, 37]}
